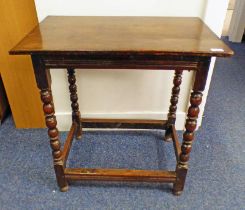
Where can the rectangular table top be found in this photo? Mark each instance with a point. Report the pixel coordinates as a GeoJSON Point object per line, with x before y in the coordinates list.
{"type": "Point", "coordinates": [150, 35]}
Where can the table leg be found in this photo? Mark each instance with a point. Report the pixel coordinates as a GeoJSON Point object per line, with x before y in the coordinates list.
{"type": "Point", "coordinates": [76, 116]}
{"type": "Point", "coordinates": [173, 107]}
{"type": "Point", "coordinates": [190, 125]}
{"type": "Point", "coordinates": [48, 108]}
{"type": "Point", "coordinates": [43, 80]}
{"type": "Point", "coordinates": [188, 137]}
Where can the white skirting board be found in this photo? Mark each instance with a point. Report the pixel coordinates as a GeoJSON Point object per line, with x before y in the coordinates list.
{"type": "Point", "coordinates": [64, 118]}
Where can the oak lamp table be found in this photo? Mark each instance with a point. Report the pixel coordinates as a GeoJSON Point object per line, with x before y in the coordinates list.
{"type": "Point", "coordinates": [158, 43]}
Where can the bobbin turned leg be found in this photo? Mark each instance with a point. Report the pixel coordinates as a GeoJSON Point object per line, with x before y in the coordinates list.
{"type": "Point", "coordinates": [53, 133]}
{"type": "Point", "coordinates": [190, 125]}
{"type": "Point", "coordinates": [173, 107]}
{"type": "Point", "coordinates": [76, 116]}
{"type": "Point", "coordinates": [188, 137]}
{"type": "Point", "coordinates": [43, 80]}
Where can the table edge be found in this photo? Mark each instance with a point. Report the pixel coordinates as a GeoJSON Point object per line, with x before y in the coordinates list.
{"type": "Point", "coordinates": [122, 53]}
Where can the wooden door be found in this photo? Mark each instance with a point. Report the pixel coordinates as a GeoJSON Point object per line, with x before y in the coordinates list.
{"type": "Point", "coordinates": [17, 18]}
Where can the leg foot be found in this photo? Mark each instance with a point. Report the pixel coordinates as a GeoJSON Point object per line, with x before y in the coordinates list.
{"type": "Point", "coordinates": [168, 135]}
{"type": "Point", "coordinates": [167, 138]}
{"type": "Point", "coordinates": [178, 186]}
{"type": "Point", "coordinates": [177, 193]}
{"type": "Point", "coordinates": [64, 189]}
{"type": "Point", "coordinates": [79, 133]}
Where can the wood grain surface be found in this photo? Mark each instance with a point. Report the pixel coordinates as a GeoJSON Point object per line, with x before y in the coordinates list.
{"type": "Point", "coordinates": [120, 35]}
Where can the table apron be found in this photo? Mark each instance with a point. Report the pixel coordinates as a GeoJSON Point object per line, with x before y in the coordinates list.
{"type": "Point", "coordinates": [122, 64]}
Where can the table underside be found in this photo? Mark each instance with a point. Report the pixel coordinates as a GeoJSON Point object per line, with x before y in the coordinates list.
{"type": "Point", "coordinates": [119, 174]}
{"type": "Point", "coordinates": [178, 63]}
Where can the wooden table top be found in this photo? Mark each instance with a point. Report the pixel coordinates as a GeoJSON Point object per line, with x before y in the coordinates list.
{"type": "Point", "coordinates": [144, 35]}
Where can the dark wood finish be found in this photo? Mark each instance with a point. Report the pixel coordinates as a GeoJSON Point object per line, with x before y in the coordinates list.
{"type": "Point", "coordinates": [176, 144]}
{"type": "Point", "coordinates": [188, 137]}
{"type": "Point", "coordinates": [135, 61]}
{"type": "Point", "coordinates": [120, 35]}
{"type": "Point", "coordinates": [120, 175]}
{"type": "Point", "coordinates": [53, 133]}
{"type": "Point", "coordinates": [175, 96]}
{"type": "Point", "coordinates": [68, 143]}
{"type": "Point", "coordinates": [201, 75]}
{"type": "Point", "coordinates": [127, 60]}
{"type": "Point", "coordinates": [44, 84]}
{"type": "Point", "coordinates": [76, 116]}
{"type": "Point", "coordinates": [122, 43]}
{"type": "Point", "coordinates": [191, 123]}
{"type": "Point", "coordinates": [41, 73]}
{"type": "Point", "coordinates": [123, 123]}
{"type": "Point", "coordinates": [173, 104]}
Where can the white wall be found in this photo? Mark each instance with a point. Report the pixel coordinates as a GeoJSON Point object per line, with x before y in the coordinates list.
{"type": "Point", "coordinates": [120, 7]}
{"type": "Point", "coordinates": [127, 94]}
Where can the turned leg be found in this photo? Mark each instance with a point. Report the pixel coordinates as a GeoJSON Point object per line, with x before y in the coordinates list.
{"type": "Point", "coordinates": [48, 108]}
{"type": "Point", "coordinates": [76, 116]}
{"type": "Point", "coordinates": [190, 125]}
{"type": "Point", "coordinates": [173, 104]}
{"type": "Point", "coordinates": [188, 137]}
{"type": "Point", "coordinates": [43, 80]}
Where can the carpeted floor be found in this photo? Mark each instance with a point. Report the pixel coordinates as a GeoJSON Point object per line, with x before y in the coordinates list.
{"type": "Point", "coordinates": [216, 179]}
